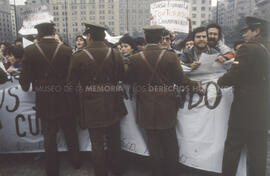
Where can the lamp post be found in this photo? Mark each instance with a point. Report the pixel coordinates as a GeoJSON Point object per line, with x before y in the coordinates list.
{"type": "Point", "coordinates": [16, 24]}
{"type": "Point", "coordinates": [217, 12]}
{"type": "Point", "coordinates": [127, 15]}
{"type": "Point", "coordinates": [66, 9]}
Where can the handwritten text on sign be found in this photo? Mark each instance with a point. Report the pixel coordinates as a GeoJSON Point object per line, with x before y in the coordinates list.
{"type": "Point", "coordinates": [171, 14]}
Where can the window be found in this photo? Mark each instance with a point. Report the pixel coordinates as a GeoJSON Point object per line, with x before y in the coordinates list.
{"type": "Point", "coordinates": [101, 6]}
{"type": "Point", "coordinates": [203, 15]}
{"type": "Point", "coordinates": [74, 13]}
{"type": "Point", "coordinates": [194, 8]}
{"type": "Point", "coordinates": [203, 1]}
{"type": "Point", "coordinates": [101, 12]}
{"type": "Point", "coordinates": [83, 12]}
{"type": "Point", "coordinates": [194, 15]}
{"type": "Point", "coordinates": [194, 22]}
{"type": "Point", "coordinates": [110, 5]}
{"type": "Point", "coordinates": [102, 17]}
{"type": "Point", "coordinates": [203, 8]}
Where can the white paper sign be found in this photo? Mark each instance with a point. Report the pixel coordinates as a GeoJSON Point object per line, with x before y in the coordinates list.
{"type": "Point", "coordinates": [170, 14]}
{"type": "Point", "coordinates": [34, 17]}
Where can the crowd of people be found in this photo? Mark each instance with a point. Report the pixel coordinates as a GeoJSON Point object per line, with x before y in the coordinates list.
{"type": "Point", "coordinates": [155, 60]}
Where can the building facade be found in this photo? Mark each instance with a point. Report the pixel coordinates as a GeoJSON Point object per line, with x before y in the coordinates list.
{"type": "Point", "coordinates": [70, 16]}
{"type": "Point", "coordinates": [5, 21]}
{"type": "Point", "coordinates": [200, 12]}
{"type": "Point", "coordinates": [229, 12]}
{"type": "Point", "coordinates": [262, 9]}
{"type": "Point", "coordinates": [13, 22]}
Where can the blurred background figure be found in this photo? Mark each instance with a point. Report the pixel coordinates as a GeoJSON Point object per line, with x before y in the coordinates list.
{"type": "Point", "coordinates": [15, 59]}
{"type": "Point", "coordinates": [140, 43]}
{"type": "Point", "coordinates": [58, 38]}
{"type": "Point", "coordinates": [80, 43]}
{"type": "Point", "coordinates": [18, 42]}
{"type": "Point", "coordinates": [166, 40]}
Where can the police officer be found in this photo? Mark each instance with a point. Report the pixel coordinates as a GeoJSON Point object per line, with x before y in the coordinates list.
{"type": "Point", "coordinates": [45, 65]}
{"type": "Point", "coordinates": [249, 117]}
{"type": "Point", "coordinates": [98, 68]}
{"type": "Point", "coordinates": [155, 71]}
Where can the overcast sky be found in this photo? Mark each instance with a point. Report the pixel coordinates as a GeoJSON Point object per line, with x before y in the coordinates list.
{"type": "Point", "coordinates": [21, 2]}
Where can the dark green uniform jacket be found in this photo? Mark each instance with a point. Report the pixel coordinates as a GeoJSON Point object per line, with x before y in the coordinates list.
{"type": "Point", "coordinates": [3, 76]}
{"type": "Point", "coordinates": [249, 76]}
{"type": "Point", "coordinates": [51, 100]}
{"type": "Point", "coordinates": [155, 110]}
{"type": "Point", "coordinates": [98, 108]}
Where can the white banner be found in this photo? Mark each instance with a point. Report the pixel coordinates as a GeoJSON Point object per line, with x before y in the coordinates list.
{"type": "Point", "coordinates": [170, 14]}
{"type": "Point", "coordinates": [201, 128]}
{"type": "Point", "coordinates": [34, 17]}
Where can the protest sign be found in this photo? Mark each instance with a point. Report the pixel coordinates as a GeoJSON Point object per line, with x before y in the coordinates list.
{"type": "Point", "coordinates": [170, 14]}
{"type": "Point", "coordinates": [201, 128]}
{"type": "Point", "coordinates": [33, 17]}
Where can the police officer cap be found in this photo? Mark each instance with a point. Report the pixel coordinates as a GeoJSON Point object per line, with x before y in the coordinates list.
{"type": "Point", "coordinates": [93, 27]}
{"type": "Point", "coordinates": [44, 28]}
{"type": "Point", "coordinates": [154, 29]}
{"type": "Point", "coordinates": [255, 22]}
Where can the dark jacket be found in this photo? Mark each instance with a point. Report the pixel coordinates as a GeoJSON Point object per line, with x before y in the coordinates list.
{"type": "Point", "coordinates": [156, 110]}
{"type": "Point", "coordinates": [191, 55]}
{"type": "Point", "coordinates": [98, 109]}
{"type": "Point", "coordinates": [51, 100]}
{"type": "Point", "coordinates": [249, 76]}
{"type": "Point", "coordinates": [3, 76]}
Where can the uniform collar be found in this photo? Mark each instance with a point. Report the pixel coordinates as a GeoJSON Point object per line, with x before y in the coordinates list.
{"type": "Point", "coordinates": [48, 39]}
{"type": "Point", "coordinates": [152, 47]}
{"type": "Point", "coordinates": [96, 44]}
{"type": "Point", "coordinates": [257, 40]}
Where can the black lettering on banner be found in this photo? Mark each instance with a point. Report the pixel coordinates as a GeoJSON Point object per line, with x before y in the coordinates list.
{"type": "Point", "coordinates": [190, 105]}
{"type": "Point", "coordinates": [3, 98]}
{"type": "Point", "coordinates": [31, 126]}
{"type": "Point", "coordinates": [218, 96]}
{"type": "Point", "coordinates": [17, 102]}
{"type": "Point", "coordinates": [19, 116]}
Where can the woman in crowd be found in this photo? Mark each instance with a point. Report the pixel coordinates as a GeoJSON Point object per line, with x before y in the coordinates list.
{"type": "Point", "coordinates": [128, 46]}
{"type": "Point", "coordinates": [80, 43]}
{"type": "Point", "coordinates": [15, 59]}
{"type": "Point", "coordinates": [4, 49]}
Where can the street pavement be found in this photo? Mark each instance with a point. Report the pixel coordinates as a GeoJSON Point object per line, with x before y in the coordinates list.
{"type": "Point", "coordinates": [33, 165]}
